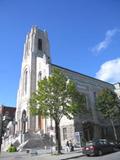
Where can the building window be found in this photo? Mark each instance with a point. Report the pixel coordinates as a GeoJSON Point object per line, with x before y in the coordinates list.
{"type": "Point", "coordinates": [39, 76]}
{"type": "Point", "coordinates": [25, 85]}
{"type": "Point", "coordinates": [40, 44]}
{"type": "Point", "coordinates": [64, 133]}
{"type": "Point", "coordinates": [94, 93]}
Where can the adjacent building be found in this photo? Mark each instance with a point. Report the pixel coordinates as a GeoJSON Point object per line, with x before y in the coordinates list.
{"type": "Point", "coordinates": [7, 114]}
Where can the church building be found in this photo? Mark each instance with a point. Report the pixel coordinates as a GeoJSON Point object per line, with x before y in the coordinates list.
{"type": "Point", "coordinates": [36, 64]}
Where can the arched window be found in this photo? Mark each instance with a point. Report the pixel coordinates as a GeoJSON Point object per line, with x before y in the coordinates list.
{"type": "Point", "coordinates": [25, 81]}
{"type": "Point", "coordinates": [39, 76]}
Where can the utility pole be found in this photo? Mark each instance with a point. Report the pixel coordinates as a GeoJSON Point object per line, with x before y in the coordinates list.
{"type": "Point", "coordinates": [1, 130]}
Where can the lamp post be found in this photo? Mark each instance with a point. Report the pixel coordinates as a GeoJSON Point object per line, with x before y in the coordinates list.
{"type": "Point", "coordinates": [0, 131]}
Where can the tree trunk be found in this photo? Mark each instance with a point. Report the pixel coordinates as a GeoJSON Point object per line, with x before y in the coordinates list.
{"type": "Point", "coordinates": [58, 143]}
{"type": "Point", "coordinates": [0, 147]}
{"type": "Point", "coordinates": [0, 142]}
{"type": "Point", "coordinates": [114, 130]}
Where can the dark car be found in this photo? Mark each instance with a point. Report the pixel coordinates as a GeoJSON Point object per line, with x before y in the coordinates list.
{"type": "Point", "coordinates": [116, 145]}
{"type": "Point", "coordinates": [97, 147]}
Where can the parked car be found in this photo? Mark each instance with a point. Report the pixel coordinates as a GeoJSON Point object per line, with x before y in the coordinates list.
{"type": "Point", "coordinates": [116, 145]}
{"type": "Point", "coordinates": [97, 147]}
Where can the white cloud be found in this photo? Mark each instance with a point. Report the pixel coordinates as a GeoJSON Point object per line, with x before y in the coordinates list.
{"type": "Point", "coordinates": [105, 43]}
{"type": "Point", "coordinates": [110, 71]}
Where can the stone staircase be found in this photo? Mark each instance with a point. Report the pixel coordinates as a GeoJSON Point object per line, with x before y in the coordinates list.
{"type": "Point", "coordinates": [31, 140]}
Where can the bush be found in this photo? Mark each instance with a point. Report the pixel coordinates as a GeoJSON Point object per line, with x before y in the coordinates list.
{"type": "Point", "coordinates": [12, 149]}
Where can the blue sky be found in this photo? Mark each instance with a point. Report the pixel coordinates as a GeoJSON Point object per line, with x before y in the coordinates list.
{"type": "Point", "coordinates": [84, 36]}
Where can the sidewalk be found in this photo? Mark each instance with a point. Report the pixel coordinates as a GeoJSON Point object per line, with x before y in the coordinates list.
{"type": "Point", "coordinates": [64, 156]}
{"type": "Point", "coordinates": [40, 155]}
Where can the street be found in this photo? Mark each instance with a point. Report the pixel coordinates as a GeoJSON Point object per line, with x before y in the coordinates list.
{"type": "Point", "coordinates": [112, 156]}
{"type": "Point", "coordinates": [48, 156]}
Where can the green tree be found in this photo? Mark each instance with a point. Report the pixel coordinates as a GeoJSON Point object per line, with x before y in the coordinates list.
{"type": "Point", "coordinates": [107, 103]}
{"type": "Point", "coordinates": [57, 96]}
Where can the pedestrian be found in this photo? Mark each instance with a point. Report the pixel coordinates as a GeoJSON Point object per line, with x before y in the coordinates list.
{"type": "Point", "coordinates": [67, 146]}
{"type": "Point", "coordinates": [0, 143]}
{"type": "Point", "coordinates": [71, 147]}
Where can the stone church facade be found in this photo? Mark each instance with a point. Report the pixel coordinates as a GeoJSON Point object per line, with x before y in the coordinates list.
{"type": "Point", "coordinates": [36, 64]}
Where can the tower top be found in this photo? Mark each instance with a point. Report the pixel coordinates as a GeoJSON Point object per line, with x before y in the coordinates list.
{"type": "Point", "coordinates": [37, 43]}
{"type": "Point", "coordinates": [36, 29]}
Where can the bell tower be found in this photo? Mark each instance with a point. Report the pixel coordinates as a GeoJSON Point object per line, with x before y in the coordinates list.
{"type": "Point", "coordinates": [35, 66]}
